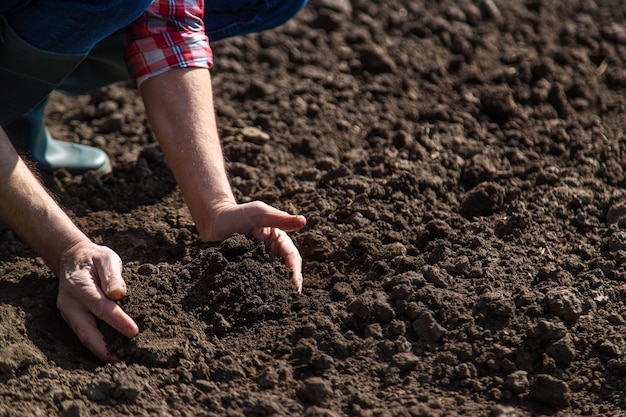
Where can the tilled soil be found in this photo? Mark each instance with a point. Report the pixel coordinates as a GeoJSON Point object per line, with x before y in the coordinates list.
{"type": "Point", "coordinates": [460, 165]}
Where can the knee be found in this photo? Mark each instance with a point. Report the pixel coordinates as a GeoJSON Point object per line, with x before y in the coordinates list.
{"type": "Point", "coordinates": [286, 9]}
{"type": "Point", "coordinates": [280, 12]}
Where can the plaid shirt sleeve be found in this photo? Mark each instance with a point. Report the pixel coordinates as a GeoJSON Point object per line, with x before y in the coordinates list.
{"type": "Point", "coordinates": [170, 34]}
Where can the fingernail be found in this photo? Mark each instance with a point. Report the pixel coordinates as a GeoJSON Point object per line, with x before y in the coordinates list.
{"type": "Point", "coordinates": [115, 292]}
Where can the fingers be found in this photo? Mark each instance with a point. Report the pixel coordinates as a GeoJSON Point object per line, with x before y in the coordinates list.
{"type": "Point", "coordinates": [264, 215]}
{"type": "Point", "coordinates": [84, 326]}
{"type": "Point", "coordinates": [294, 262]}
{"type": "Point", "coordinates": [287, 222]}
{"type": "Point", "coordinates": [112, 314]}
{"type": "Point", "coordinates": [267, 224]}
{"type": "Point", "coordinates": [270, 226]}
{"type": "Point", "coordinates": [109, 271]}
{"type": "Point", "coordinates": [79, 313]}
{"type": "Point", "coordinates": [281, 245]}
{"type": "Point", "coordinates": [112, 287]}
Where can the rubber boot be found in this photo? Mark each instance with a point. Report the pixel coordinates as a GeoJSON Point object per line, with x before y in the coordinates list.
{"type": "Point", "coordinates": [30, 135]}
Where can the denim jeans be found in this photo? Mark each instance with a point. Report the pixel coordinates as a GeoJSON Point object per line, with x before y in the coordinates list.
{"type": "Point", "coordinates": [222, 19]}
{"type": "Point", "coordinates": [53, 25]}
{"type": "Point", "coordinates": [98, 49]}
{"type": "Point", "coordinates": [69, 26]}
{"type": "Point", "coordinates": [227, 18]}
{"type": "Point", "coordinates": [42, 41]}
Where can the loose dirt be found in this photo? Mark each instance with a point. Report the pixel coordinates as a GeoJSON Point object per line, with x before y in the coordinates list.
{"type": "Point", "coordinates": [461, 167]}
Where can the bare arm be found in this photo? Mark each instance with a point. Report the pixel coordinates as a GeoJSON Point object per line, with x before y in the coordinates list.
{"type": "Point", "coordinates": [30, 211]}
{"type": "Point", "coordinates": [179, 104]}
{"type": "Point", "coordinates": [89, 274]}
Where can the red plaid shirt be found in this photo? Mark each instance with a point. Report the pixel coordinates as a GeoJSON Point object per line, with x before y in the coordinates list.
{"type": "Point", "coordinates": [170, 34]}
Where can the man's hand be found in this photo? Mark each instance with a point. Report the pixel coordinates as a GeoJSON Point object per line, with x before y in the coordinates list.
{"type": "Point", "coordinates": [90, 278]}
{"type": "Point", "coordinates": [266, 224]}
{"type": "Point", "coordinates": [89, 275]}
{"type": "Point", "coordinates": [179, 104]}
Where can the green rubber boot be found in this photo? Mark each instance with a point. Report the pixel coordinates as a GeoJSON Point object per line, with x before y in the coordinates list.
{"type": "Point", "coordinates": [51, 154]}
{"type": "Point", "coordinates": [29, 135]}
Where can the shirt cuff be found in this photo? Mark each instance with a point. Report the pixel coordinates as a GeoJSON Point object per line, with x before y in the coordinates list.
{"type": "Point", "coordinates": [153, 55]}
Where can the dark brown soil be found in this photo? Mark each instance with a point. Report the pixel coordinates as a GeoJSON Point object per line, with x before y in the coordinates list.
{"type": "Point", "coordinates": [461, 166]}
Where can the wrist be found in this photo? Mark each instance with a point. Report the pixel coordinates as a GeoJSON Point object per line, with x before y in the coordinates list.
{"type": "Point", "coordinates": [206, 212]}
{"type": "Point", "coordinates": [58, 257]}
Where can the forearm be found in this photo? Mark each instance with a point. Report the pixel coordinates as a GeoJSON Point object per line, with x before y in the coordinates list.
{"type": "Point", "coordinates": [28, 209]}
{"type": "Point", "coordinates": [179, 105]}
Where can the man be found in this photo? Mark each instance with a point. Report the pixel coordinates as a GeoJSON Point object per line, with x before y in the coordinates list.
{"type": "Point", "coordinates": [78, 44]}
